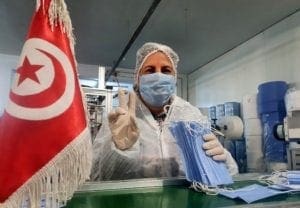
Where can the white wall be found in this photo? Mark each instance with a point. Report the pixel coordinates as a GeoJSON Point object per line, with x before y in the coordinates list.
{"type": "Point", "coordinates": [271, 55]}
{"type": "Point", "coordinates": [7, 63]}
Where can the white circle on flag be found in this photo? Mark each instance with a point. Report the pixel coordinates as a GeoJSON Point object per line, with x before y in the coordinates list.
{"type": "Point", "coordinates": [46, 75]}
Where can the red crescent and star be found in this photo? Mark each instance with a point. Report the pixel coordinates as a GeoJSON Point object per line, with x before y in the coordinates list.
{"type": "Point", "coordinates": [28, 71]}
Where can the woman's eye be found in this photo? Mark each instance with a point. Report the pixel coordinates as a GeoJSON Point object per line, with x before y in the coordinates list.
{"type": "Point", "coordinates": [148, 70]}
{"type": "Point", "coordinates": [167, 70]}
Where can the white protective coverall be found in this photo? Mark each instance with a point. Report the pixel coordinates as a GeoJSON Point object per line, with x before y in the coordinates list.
{"type": "Point", "coordinates": [154, 155]}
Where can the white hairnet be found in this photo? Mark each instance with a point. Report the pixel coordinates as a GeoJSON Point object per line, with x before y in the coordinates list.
{"type": "Point", "coordinates": [149, 48]}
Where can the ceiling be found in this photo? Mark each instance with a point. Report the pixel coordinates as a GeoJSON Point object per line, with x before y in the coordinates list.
{"type": "Point", "coordinates": [199, 30]}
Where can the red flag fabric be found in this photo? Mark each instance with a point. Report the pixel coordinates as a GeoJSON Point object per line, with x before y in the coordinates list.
{"type": "Point", "coordinates": [45, 146]}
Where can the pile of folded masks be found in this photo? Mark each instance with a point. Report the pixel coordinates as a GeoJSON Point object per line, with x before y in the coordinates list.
{"type": "Point", "coordinates": [209, 176]}
{"type": "Point", "coordinates": [200, 169]}
{"type": "Point", "coordinates": [278, 183]}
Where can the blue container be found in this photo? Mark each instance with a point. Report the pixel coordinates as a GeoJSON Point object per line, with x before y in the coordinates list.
{"type": "Point", "coordinates": [232, 109]}
{"type": "Point", "coordinates": [269, 107]}
{"type": "Point", "coordinates": [274, 149]}
{"type": "Point", "coordinates": [212, 112]}
{"type": "Point", "coordinates": [230, 146]}
{"type": "Point", "coordinates": [240, 155]}
{"type": "Point", "coordinates": [271, 91]}
{"type": "Point", "coordinates": [270, 100]}
{"type": "Point", "coordinates": [220, 111]}
{"type": "Point", "coordinates": [273, 117]}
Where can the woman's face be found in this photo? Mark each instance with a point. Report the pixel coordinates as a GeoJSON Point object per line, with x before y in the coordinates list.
{"type": "Point", "coordinates": [157, 62]}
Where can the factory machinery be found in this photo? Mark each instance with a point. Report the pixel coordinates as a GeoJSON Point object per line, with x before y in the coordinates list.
{"type": "Point", "coordinates": [98, 101]}
{"type": "Point", "coordinates": [289, 130]}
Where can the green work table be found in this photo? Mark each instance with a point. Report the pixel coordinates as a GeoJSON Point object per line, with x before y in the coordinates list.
{"type": "Point", "coordinates": [165, 193]}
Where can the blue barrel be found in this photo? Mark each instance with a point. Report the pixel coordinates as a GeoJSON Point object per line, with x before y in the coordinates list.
{"type": "Point", "coordinates": [271, 91]}
{"type": "Point", "coordinates": [232, 109]}
{"type": "Point", "coordinates": [240, 155]}
{"type": "Point", "coordinates": [274, 149]}
{"type": "Point", "coordinates": [271, 107]}
{"type": "Point", "coordinates": [273, 117]}
{"type": "Point", "coordinates": [230, 146]}
{"type": "Point", "coordinates": [212, 112]}
{"type": "Point", "coordinates": [220, 110]}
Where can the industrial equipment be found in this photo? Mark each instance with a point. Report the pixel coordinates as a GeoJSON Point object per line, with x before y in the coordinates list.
{"type": "Point", "coordinates": [290, 129]}
{"type": "Point", "coordinates": [98, 102]}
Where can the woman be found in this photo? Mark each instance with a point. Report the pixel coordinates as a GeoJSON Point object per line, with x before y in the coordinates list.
{"type": "Point", "coordinates": [136, 142]}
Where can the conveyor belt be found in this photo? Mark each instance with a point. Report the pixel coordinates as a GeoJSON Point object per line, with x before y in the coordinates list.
{"type": "Point", "coordinates": [165, 193]}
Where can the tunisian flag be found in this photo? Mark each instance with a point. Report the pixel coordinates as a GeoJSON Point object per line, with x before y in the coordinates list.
{"type": "Point", "coordinates": [45, 146]}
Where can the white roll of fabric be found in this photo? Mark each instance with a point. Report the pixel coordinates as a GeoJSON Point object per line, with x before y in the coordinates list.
{"type": "Point", "coordinates": [252, 127]}
{"type": "Point", "coordinates": [292, 100]}
{"type": "Point", "coordinates": [231, 126]}
{"type": "Point", "coordinates": [249, 106]}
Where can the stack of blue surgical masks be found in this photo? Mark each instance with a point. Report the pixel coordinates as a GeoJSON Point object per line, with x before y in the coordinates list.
{"type": "Point", "coordinates": [282, 183]}
{"type": "Point", "coordinates": [198, 166]}
{"type": "Point", "coordinates": [293, 177]}
{"type": "Point", "coordinates": [290, 180]}
{"type": "Point", "coordinates": [251, 193]}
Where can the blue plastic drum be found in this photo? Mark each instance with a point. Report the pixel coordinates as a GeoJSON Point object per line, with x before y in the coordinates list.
{"type": "Point", "coordinates": [232, 109]}
{"type": "Point", "coordinates": [271, 91]}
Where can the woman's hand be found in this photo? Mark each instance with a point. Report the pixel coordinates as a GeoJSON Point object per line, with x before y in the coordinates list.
{"type": "Point", "coordinates": [122, 122]}
{"type": "Point", "coordinates": [213, 147]}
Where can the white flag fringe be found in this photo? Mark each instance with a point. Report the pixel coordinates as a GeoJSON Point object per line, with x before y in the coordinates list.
{"type": "Point", "coordinates": [56, 182]}
{"type": "Point", "coordinates": [58, 15]}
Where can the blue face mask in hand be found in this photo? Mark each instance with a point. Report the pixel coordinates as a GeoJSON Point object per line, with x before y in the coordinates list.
{"type": "Point", "coordinates": [199, 167]}
{"type": "Point", "coordinates": [156, 89]}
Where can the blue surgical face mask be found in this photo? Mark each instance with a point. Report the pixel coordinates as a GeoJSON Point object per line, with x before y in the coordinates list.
{"type": "Point", "coordinates": [156, 89]}
{"type": "Point", "coordinates": [197, 165]}
{"type": "Point", "coordinates": [252, 193]}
